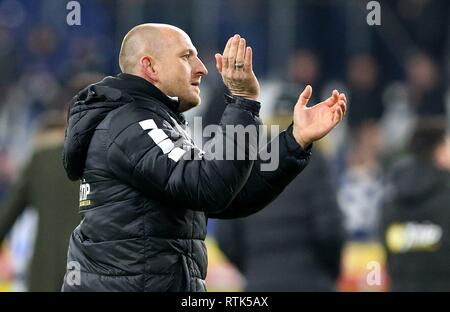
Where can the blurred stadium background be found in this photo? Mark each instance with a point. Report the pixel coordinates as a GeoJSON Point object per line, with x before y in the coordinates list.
{"type": "Point", "coordinates": [392, 73]}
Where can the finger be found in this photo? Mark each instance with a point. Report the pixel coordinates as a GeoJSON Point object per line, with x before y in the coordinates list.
{"type": "Point", "coordinates": [240, 52]}
{"type": "Point", "coordinates": [330, 101]}
{"type": "Point", "coordinates": [335, 119]}
{"type": "Point", "coordinates": [248, 63]}
{"type": "Point", "coordinates": [218, 62]}
{"type": "Point", "coordinates": [225, 53]}
{"type": "Point", "coordinates": [233, 51]}
{"type": "Point", "coordinates": [227, 47]}
{"type": "Point", "coordinates": [335, 95]}
{"type": "Point", "coordinates": [342, 97]}
{"type": "Point", "coordinates": [305, 96]}
{"type": "Point", "coordinates": [344, 107]}
{"type": "Point", "coordinates": [336, 116]}
{"type": "Point", "coordinates": [340, 110]}
{"type": "Point", "coordinates": [333, 99]}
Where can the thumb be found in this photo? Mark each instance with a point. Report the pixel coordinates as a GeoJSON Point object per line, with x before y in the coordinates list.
{"type": "Point", "coordinates": [305, 96]}
{"type": "Point", "coordinates": [218, 57]}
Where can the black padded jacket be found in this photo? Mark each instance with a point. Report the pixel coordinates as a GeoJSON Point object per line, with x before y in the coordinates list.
{"type": "Point", "coordinates": [146, 190]}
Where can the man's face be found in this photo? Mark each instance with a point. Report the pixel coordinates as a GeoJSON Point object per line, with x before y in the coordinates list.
{"type": "Point", "coordinates": [180, 70]}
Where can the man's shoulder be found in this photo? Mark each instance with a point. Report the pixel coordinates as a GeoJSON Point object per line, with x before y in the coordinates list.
{"type": "Point", "coordinates": [140, 114]}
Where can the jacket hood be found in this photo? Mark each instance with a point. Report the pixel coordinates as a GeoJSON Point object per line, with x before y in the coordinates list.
{"type": "Point", "coordinates": [414, 180]}
{"type": "Point", "coordinates": [87, 109]}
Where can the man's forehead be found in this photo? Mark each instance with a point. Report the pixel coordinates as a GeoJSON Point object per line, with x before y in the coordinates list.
{"type": "Point", "coordinates": [182, 42]}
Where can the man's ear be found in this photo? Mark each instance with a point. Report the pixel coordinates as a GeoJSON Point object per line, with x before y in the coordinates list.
{"type": "Point", "coordinates": [148, 68]}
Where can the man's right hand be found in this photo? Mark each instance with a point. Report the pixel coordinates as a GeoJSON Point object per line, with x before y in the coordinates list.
{"type": "Point", "coordinates": [240, 80]}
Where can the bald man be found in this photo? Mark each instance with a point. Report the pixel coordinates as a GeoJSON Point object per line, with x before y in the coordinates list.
{"type": "Point", "coordinates": [146, 189]}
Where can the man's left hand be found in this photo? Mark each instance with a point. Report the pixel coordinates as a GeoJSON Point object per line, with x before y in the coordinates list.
{"type": "Point", "coordinates": [313, 123]}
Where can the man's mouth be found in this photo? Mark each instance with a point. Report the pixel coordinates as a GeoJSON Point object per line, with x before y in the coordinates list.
{"type": "Point", "coordinates": [196, 84]}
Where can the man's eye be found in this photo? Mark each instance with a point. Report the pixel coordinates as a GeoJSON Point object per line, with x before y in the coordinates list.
{"type": "Point", "coordinates": [186, 56]}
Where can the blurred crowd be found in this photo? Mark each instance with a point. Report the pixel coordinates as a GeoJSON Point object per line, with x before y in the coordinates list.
{"type": "Point", "coordinates": [376, 191]}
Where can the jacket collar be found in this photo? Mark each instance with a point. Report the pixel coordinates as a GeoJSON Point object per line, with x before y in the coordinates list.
{"type": "Point", "coordinates": [136, 86]}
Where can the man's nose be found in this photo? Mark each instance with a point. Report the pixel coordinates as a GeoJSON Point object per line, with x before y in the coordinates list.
{"type": "Point", "coordinates": [201, 68]}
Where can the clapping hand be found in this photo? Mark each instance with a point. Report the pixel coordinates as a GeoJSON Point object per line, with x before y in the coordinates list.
{"type": "Point", "coordinates": [235, 66]}
{"type": "Point", "coordinates": [313, 123]}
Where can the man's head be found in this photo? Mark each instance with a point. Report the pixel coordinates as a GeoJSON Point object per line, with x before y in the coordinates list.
{"type": "Point", "coordinates": [165, 56]}
{"type": "Point", "coordinates": [431, 142]}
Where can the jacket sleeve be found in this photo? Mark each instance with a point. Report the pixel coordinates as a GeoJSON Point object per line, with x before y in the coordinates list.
{"type": "Point", "coordinates": [145, 155]}
{"type": "Point", "coordinates": [263, 186]}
